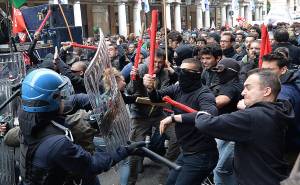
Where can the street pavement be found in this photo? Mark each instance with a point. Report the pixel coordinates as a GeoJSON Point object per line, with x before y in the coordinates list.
{"type": "Point", "coordinates": [154, 174]}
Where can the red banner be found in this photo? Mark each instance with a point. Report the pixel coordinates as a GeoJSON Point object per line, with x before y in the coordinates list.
{"type": "Point", "coordinates": [18, 21]}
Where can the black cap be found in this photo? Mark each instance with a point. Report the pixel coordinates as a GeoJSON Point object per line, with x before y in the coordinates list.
{"type": "Point", "coordinates": [230, 63]}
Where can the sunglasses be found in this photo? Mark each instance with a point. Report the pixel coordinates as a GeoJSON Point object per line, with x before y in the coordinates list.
{"type": "Point", "coordinates": [74, 71]}
{"type": "Point", "coordinates": [220, 68]}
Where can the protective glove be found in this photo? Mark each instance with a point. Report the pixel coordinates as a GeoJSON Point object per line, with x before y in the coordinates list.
{"type": "Point", "coordinates": [134, 148]}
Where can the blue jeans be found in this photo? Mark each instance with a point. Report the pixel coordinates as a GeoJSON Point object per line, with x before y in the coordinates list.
{"type": "Point", "coordinates": [124, 170]}
{"type": "Point", "coordinates": [195, 168]}
{"type": "Point", "coordinates": [223, 173]}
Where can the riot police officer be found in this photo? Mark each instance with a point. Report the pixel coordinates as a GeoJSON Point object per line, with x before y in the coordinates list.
{"type": "Point", "coordinates": [48, 155]}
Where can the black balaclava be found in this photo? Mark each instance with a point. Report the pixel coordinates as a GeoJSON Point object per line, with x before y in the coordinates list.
{"type": "Point", "coordinates": [228, 75]}
{"type": "Point", "coordinates": [189, 81]}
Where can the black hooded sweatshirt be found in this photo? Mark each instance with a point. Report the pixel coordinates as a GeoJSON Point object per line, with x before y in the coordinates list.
{"type": "Point", "coordinates": [189, 138]}
{"type": "Point", "coordinates": [259, 132]}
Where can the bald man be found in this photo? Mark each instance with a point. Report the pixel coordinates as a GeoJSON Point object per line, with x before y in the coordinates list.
{"type": "Point", "coordinates": [78, 68]}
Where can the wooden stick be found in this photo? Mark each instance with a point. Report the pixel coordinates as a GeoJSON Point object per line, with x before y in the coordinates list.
{"type": "Point", "coordinates": [66, 22]}
{"type": "Point", "coordinates": [147, 101]}
{"type": "Point", "coordinates": [31, 41]}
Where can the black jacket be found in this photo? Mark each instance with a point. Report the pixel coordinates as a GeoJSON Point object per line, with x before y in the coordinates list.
{"type": "Point", "coordinates": [231, 53]}
{"type": "Point", "coordinates": [77, 81]}
{"type": "Point", "coordinates": [259, 132]}
{"type": "Point", "coordinates": [209, 77]}
{"type": "Point", "coordinates": [290, 90]}
{"type": "Point", "coordinates": [190, 139]}
{"type": "Point", "coordinates": [294, 51]}
{"type": "Point", "coordinates": [232, 89]}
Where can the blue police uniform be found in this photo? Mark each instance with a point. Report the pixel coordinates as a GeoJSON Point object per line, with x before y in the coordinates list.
{"type": "Point", "coordinates": [48, 156]}
{"type": "Point", "coordinates": [57, 156]}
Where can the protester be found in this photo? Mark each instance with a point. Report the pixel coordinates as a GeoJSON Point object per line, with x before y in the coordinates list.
{"type": "Point", "coordinates": [227, 93]}
{"type": "Point", "coordinates": [290, 90]}
{"type": "Point", "coordinates": [250, 61]}
{"type": "Point", "coordinates": [145, 117]}
{"type": "Point", "coordinates": [250, 38]}
{"type": "Point", "coordinates": [210, 56]}
{"type": "Point", "coordinates": [281, 37]}
{"type": "Point", "coordinates": [227, 42]}
{"type": "Point", "coordinates": [74, 73]}
{"type": "Point", "coordinates": [259, 130]}
{"type": "Point", "coordinates": [199, 154]}
{"type": "Point", "coordinates": [117, 60]}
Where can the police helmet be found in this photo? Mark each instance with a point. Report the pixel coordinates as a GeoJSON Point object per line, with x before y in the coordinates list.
{"type": "Point", "coordinates": [41, 91]}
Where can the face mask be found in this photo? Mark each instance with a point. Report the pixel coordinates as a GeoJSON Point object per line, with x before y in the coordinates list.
{"type": "Point", "coordinates": [189, 81]}
{"type": "Point", "coordinates": [226, 76]}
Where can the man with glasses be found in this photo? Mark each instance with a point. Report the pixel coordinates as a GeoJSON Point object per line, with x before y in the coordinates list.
{"type": "Point", "coordinates": [227, 41]}
{"type": "Point", "coordinates": [227, 93]}
{"type": "Point", "coordinates": [78, 68]}
{"type": "Point", "coordinates": [74, 73]}
{"type": "Point", "coordinates": [199, 154]}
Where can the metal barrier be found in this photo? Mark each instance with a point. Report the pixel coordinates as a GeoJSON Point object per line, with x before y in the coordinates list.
{"type": "Point", "coordinates": [12, 71]}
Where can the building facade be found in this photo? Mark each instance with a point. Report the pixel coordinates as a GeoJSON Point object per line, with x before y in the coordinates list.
{"type": "Point", "coordinates": [123, 16]}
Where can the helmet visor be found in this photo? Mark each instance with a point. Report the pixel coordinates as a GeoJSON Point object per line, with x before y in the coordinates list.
{"type": "Point", "coordinates": [66, 88]}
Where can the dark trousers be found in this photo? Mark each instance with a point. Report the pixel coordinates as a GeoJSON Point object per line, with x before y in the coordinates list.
{"type": "Point", "coordinates": [140, 128]}
{"type": "Point", "coordinates": [195, 168]}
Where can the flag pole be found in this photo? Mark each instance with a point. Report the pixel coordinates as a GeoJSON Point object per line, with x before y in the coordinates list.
{"type": "Point", "coordinates": [165, 30]}
{"type": "Point", "coordinates": [31, 41]}
{"type": "Point", "coordinates": [66, 22]}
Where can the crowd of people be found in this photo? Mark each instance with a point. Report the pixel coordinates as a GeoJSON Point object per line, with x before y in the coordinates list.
{"type": "Point", "coordinates": [244, 131]}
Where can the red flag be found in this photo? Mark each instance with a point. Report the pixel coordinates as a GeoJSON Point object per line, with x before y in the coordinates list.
{"type": "Point", "coordinates": [18, 21]}
{"type": "Point", "coordinates": [265, 46]}
{"type": "Point", "coordinates": [18, 24]}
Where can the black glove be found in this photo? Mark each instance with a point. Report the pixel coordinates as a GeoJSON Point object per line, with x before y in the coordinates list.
{"type": "Point", "coordinates": [134, 148]}
{"type": "Point", "coordinates": [157, 143]}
